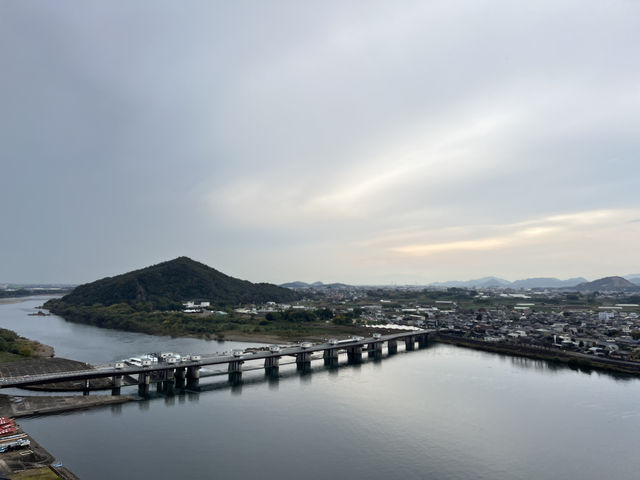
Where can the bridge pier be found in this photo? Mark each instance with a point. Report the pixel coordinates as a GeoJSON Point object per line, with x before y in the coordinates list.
{"type": "Point", "coordinates": [410, 343]}
{"type": "Point", "coordinates": [423, 340]}
{"type": "Point", "coordinates": [235, 371]}
{"type": "Point", "coordinates": [330, 356]}
{"type": "Point", "coordinates": [85, 390]}
{"type": "Point", "coordinates": [354, 354]}
{"type": "Point", "coordinates": [193, 377]}
{"type": "Point", "coordinates": [144, 379]}
{"type": "Point", "coordinates": [303, 362]}
{"type": "Point", "coordinates": [330, 353]}
{"type": "Point", "coordinates": [116, 384]}
{"type": "Point", "coordinates": [235, 366]}
{"type": "Point", "coordinates": [168, 382]}
{"type": "Point", "coordinates": [271, 363]}
{"type": "Point", "coordinates": [180, 374]}
{"type": "Point", "coordinates": [303, 357]}
{"type": "Point", "coordinates": [392, 346]}
{"type": "Point", "coordinates": [374, 349]}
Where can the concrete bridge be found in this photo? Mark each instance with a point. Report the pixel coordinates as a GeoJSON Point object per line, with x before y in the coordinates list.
{"type": "Point", "coordinates": [186, 374]}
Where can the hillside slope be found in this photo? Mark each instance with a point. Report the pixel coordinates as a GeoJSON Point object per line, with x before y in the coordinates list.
{"type": "Point", "coordinates": [607, 284]}
{"type": "Point", "coordinates": [167, 285]}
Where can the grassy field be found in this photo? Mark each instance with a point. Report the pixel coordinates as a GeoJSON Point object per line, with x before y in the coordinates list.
{"type": "Point", "coordinates": [6, 357]}
{"type": "Point", "coordinates": [35, 474]}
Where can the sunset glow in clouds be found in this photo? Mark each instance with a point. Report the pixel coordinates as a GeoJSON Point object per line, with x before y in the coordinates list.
{"type": "Point", "coordinates": [362, 142]}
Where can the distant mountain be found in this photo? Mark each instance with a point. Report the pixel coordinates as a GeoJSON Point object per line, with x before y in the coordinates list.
{"type": "Point", "coordinates": [607, 284]}
{"type": "Point", "coordinates": [494, 282]}
{"type": "Point", "coordinates": [176, 281]}
{"type": "Point", "coordinates": [634, 278]}
{"type": "Point", "coordinates": [316, 285]}
{"type": "Point", "coordinates": [295, 285]}
{"type": "Point", "coordinates": [485, 282]}
{"type": "Point", "coordinates": [547, 282]}
{"type": "Point", "coordinates": [334, 286]}
{"type": "Point", "coordinates": [303, 285]}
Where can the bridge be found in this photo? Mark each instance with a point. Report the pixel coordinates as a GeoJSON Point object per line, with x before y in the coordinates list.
{"type": "Point", "coordinates": [186, 374]}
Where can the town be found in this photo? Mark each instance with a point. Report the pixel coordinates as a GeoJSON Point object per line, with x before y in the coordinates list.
{"type": "Point", "coordinates": [602, 324]}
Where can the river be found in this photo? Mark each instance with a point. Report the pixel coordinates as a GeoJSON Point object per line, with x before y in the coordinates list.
{"type": "Point", "coordinates": [443, 413]}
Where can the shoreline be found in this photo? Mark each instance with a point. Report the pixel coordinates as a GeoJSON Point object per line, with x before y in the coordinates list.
{"type": "Point", "coordinates": [570, 359]}
{"type": "Point", "coordinates": [24, 298]}
{"type": "Point", "coordinates": [9, 300]}
{"type": "Point", "coordinates": [17, 406]}
{"type": "Point", "coordinates": [552, 355]}
{"type": "Point", "coordinates": [27, 405]}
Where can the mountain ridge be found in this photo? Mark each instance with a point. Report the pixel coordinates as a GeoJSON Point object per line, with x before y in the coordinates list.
{"type": "Point", "coordinates": [613, 283]}
{"type": "Point", "coordinates": [534, 282]}
{"type": "Point", "coordinates": [166, 284]}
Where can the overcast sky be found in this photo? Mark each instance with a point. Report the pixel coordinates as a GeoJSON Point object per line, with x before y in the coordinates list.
{"type": "Point", "coordinates": [354, 141]}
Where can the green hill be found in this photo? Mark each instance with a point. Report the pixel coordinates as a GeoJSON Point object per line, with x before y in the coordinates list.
{"type": "Point", "coordinates": [150, 300]}
{"type": "Point", "coordinates": [167, 285]}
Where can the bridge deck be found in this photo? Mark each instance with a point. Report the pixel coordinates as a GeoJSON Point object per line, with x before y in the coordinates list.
{"type": "Point", "coordinates": [109, 370]}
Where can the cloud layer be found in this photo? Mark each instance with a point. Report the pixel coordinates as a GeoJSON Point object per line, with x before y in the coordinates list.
{"type": "Point", "coordinates": [368, 143]}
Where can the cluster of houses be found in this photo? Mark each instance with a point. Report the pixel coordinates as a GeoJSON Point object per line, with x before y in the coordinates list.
{"type": "Point", "coordinates": [610, 331]}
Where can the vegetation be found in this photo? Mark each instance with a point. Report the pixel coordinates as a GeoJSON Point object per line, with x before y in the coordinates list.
{"type": "Point", "coordinates": [167, 285]}
{"type": "Point", "coordinates": [151, 300]}
{"type": "Point", "coordinates": [27, 292]}
{"type": "Point", "coordinates": [287, 324]}
{"type": "Point", "coordinates": [44, 473]}
{"type": "Point", "coordinates": [139, 317]}
{"type": "Point", "coordinates": [13, 347]}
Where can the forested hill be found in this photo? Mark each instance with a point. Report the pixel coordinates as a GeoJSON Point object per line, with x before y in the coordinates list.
{"type": "Point", "coordinates": [167, 285]}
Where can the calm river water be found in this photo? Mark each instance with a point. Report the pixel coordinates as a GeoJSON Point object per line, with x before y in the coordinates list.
{"type": "Point", "coordinates": [438, 413]}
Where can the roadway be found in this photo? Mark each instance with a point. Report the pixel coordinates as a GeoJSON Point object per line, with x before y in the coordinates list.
{"type": "Point", "coordinates": [109, 370]}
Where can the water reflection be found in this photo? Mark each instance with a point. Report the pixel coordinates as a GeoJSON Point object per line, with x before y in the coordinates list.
{"type": "Point", "coordinates": [366, 421]}
{"type": "Point", "coordinates": [440, 412]}
{"type": "Point", "coordinates": [272, 376]}
{"type": "Point", "coordinates": [540, 365]}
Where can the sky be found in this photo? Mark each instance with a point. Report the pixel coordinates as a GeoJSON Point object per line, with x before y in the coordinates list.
{"type": "Point", "coordinates": [371, 142]}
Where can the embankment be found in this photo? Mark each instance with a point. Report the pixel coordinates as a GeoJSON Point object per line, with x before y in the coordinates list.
{"type": "Point", "coordinates": [573, 360]}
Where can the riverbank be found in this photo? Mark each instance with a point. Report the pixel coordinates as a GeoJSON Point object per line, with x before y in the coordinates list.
{"type": "Point", "coordinates": [571, 359]}
{"type": "Point", "coordinates": [43, 366]}
{"type": "Point", "coordinates": [17, 406]}
{"type": "Point", "coordinates": [6, 301]}
{"type": "Point", "coordinates": [23, 458]}
{"type": "Point", "coordinates": [17, 349]}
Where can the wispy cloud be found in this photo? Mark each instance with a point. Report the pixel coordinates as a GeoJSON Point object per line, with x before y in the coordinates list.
{"type": "Point", "coordinates": [415, 138]}
{"type": "Point", "coordinates": [537, 231]}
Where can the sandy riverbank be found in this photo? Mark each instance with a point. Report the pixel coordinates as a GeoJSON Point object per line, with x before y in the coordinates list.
{"type": "Point", "coordinates": [258, 338]}
{"type": "Point", "coordinates": [6, 301]}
